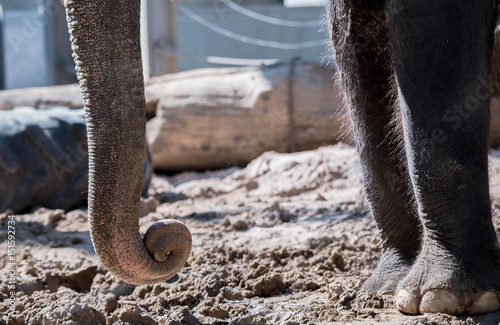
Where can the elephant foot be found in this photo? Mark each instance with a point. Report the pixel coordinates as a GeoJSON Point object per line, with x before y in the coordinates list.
{"type": "Point", "coordinates": [444, 283]}
{"type": "Point", "coordinates": [389, 272]}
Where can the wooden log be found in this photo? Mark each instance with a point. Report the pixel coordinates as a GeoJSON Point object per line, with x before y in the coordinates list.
{"type": "Point", "coordinates": [214, 118]}
{"type": "Point", "coordinates": [42, 97]}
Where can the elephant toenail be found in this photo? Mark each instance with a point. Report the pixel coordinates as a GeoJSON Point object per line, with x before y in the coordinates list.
{"type": "Point", "coordinates": [488, 302]}
{"type": "Point", "coordinates": [407, 302]}
{"type": "Point", "coordinates": [440, 301]}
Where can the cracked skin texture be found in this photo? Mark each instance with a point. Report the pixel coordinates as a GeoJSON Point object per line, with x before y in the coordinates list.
{"type": "Point", "coordinates": [106, 49]}
{"type": "Point", "coordinates": [105, 39]}
{"type": "Point", "coordinates": [409, 69]}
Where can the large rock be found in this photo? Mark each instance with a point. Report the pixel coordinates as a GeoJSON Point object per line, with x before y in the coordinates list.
{"type": "Point", "coordinates": [44, 159]}
{"type": "Point", "coordinates": [213, 118]}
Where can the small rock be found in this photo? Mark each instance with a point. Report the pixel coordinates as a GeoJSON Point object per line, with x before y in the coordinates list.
{"type": "Point", "coordinates": [131, 315]}
{"type": "Point", "coordinates": [216, 313]}
{"type": "Point", "coordinates": [29, 284]}
{"type": "Point", "coordinates": [110, 303]}
{"type": "Point", "coordinates": [82, 278]}
{"type": "Point", "coordinates": [251, 185]}
{"type": "Point", "coordinates": [121, 288]}
{"type": "Point", "coordinates": [157, 290]}
{"type": "Point", "coordinates": [140, 292]}
{"type": "Point", "coordinates": [50, 217]}
{"type": "Point", "coordinates": [239, 225]}
{"type": "Point", "coordinates": [232, 293]}
{"type": "Point", "coordinates": [286, 216]}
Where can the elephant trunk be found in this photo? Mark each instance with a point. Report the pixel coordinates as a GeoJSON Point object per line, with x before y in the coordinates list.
{"type": "Point", "coordinates": [105, 39]}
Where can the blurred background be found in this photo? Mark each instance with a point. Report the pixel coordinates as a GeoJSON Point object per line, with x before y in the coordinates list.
{"type": "Point", "coordinates": [267, 88]}
{"type": "Point", "coordinates": [176, 36]}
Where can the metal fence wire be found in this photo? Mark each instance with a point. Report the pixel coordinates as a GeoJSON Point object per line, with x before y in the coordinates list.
{"type": "Point", "coordinates": [250, 40]}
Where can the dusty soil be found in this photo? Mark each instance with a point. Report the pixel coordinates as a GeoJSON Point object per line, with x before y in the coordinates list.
{"type": "Point", "coordinates": [286, 240]}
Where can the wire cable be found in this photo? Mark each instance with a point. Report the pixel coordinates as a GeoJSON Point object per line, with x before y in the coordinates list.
{"type": "Point", "coordinates": [268, 19]}
{"type": "Point", "coordinates": [241, 62]}
{"type": "Point", "coordinates": [246, 39]}
{"type": "Point", "coordinates": [218, 59]}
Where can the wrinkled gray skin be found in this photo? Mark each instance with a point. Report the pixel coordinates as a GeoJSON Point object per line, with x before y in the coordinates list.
{"type": "Point", "coordinates": [428, 189]}
{"type": "Point", "coordinates": [417, 79]}
{"type": "Point", "coordinates": [105, 41]}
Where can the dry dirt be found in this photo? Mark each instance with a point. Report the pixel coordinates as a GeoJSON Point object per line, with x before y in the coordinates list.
{"type": "Point", "coordinates": [286, 240]}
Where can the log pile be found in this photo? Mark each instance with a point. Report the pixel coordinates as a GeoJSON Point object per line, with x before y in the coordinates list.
{"type": "Point", "coordinates": [219, 117]}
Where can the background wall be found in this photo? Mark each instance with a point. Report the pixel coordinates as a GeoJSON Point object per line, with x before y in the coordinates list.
{"type": "Point", "coordinates": [37, 51]}
{"type": "Point", "coordinates": [35, 44]}
{"type": "Point", "coordinates": [199, 40]}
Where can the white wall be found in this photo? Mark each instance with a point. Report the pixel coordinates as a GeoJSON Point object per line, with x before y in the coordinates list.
{"type": "Point", "coordinates": [37, 48]}
{"type": "Point", "coordinates": [24, 45]}
{"type": "Point", "coordinates": [36, 44]}
{"type": "Point", "coordinates": [196, 42]}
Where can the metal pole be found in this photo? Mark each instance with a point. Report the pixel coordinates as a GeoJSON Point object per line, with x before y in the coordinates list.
{"type": "Point", "coordinates": [291, 105]}
{"type": "Point", "coordinates": [172, 37]}
{"type": "Point", "coordinates": [2, 65]}
{"type": "Point", "coordinates": [145, 42]}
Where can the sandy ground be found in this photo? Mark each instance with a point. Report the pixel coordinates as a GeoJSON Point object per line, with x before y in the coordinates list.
{"type": "Point", "coordinates": [286, 240]}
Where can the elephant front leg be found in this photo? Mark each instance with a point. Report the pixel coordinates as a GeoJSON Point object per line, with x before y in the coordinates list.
{"type": "Point", "coordinates": [441, 52]}
{"type": "Point", "coordinates": [359, 39]}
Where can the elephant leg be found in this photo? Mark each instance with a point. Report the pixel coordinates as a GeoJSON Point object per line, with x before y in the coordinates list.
{"type": "Point", "coordinates": [441, 52]}
{"type": "Point", "coordinates": [358, 31]}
